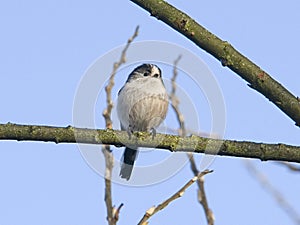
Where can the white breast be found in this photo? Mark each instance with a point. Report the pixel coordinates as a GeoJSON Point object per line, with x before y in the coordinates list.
{"type": "Point", "coordinates": [142, 103]}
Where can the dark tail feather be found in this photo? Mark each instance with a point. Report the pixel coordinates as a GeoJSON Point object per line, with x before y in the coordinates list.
{"type": "Point", "coordinates": [128, 161]}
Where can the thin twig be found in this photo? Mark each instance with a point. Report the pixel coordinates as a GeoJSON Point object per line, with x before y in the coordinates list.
{"type": "Point", "coordinates": [150, 212]}
{"type": "Point", "coordinates": [175, 101]}
{"type": "Point", "coordinates": [182, 131]}
{"type": "Point", "coordinates": [278, 196]}
{"type": "Point", "coordinates": [290, 166]}
{"type": "Point", "coordinates": [117, 212]}
{"type": "Point", "coordinates": [210, 218]}
{"type": "Point", "coordinates": [108, 88]}
{"type": "Point", "coordinates": [108, 173]}
{"type": "Point", "coordinates": [112, 213]}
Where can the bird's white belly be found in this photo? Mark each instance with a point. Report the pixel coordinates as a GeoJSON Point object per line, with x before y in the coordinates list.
{"type": "Point", "coordinates": [142, 105]}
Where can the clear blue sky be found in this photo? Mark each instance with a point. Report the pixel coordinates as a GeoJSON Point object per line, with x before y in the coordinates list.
{"type": "Point", "coordinates": [46, 48]}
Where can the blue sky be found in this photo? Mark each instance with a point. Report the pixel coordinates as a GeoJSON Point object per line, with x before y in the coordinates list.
{"type": "Point", "coordinates": [46, 50]}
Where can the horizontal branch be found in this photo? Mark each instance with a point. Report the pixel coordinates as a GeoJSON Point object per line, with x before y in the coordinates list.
{"type": "Point", "coordinates": [195, 144]}
{"type": "Point", "coordinates": [226, 54]}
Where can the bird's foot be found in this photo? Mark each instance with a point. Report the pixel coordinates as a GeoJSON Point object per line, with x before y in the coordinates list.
{"type": "Point", "coordinates": [129, 132]}
{"type": "Point", "coordinates": [153, 132]}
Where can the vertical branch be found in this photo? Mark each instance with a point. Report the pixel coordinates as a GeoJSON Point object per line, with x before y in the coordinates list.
{"type": "Point", "coordinates": [107, 112]}
{"type": "Point", "coordinates": [112, 213]}
{"type": "Point", "coordinates": [108, 172]}
{"type": "Point", "coordinates": [182, 131]}
{"type": "Point", "coordinates": [175, 101]}
{"type": "Point", "coordinates": [210, 218]}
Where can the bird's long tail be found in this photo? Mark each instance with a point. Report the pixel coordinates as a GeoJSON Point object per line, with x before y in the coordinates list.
{"type": "Point", "coordinates": [129, 157]}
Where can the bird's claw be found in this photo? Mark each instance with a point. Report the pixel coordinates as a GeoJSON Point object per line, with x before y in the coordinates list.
{"type": "Point", "coordinates": [153, 132]}
{"type": "Point", "coordinates": [129, 132]}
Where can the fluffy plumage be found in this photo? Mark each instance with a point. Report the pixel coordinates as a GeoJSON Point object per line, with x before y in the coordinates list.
{"type": "Point", "coordinates": [142, 106]}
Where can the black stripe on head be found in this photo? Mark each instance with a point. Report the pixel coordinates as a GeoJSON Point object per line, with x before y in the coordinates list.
{"type": "Point", "coordinates": [145, 70]}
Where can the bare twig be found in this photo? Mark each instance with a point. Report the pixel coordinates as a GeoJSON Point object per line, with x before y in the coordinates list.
{"type": "Point", "coordinates": [117, 212]}
{"type": "Point", "coordinates": [175, 101]}
{"type": "Point", "coordinates": [210, 218]}
{"type": "Point", "coordinates": [108, 172]}
{"type": "Point", "coordinates": [290, 166]}
{"type": "Point", "coordinates": [112, 213]}
{"type": "Point", "coordinates": [182, 131]}
{"type": "Point", "coordinates": [108, 88]}
{"type": "Point", "coordinates": [278, 196]}
{"type": "Point", "coordinates": [150, 212]}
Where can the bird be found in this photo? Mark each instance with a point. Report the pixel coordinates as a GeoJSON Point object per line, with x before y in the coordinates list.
{"type": "Point", "coordinates": [142, 105]}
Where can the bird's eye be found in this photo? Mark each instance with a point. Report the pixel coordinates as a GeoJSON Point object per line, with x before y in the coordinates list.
{"type": "Point", "coordinates": [156, 75]}
{"type": "Point", "coordinates": [146, 74]}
